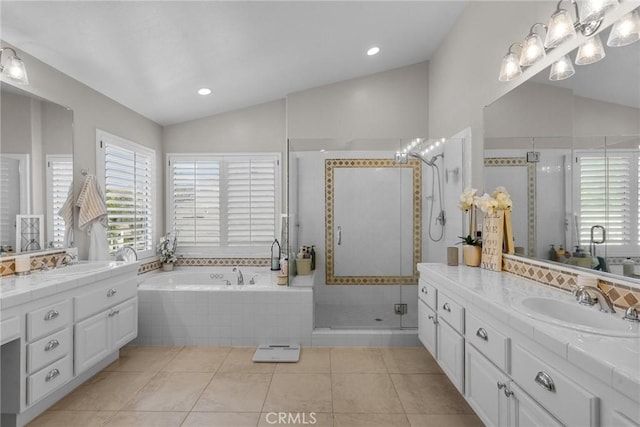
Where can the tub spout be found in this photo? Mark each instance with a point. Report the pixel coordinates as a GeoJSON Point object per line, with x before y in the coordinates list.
{"type": "Point", "coordinates": [240, 277]}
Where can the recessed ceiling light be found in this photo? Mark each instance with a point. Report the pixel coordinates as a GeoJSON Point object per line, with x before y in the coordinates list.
{"type": "Point", "coordinates": [374, 50]}
{"type": "Point", "coordinates": [204, 91]}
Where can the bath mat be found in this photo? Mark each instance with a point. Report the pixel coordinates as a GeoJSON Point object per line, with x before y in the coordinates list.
{"type": "Point", "coordinates": [277, 353]}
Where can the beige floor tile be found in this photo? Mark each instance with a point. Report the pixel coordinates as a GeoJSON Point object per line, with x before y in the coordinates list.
{"type": "Point", "coordinates": [301, 419]}
{"type": "Point", "coordinates": [221, 419]}
{"type": "Point", "coordinates": [421, 420]}
{"type": "Point", "coordinates": [170, 391]}
{"type": "Point", "coordinates": [147, 419]}
{"type": "Point", "coordinates": [143, 359]}
{"type": "Point", "coordinates": [240, 360]}
{"type": "Point", "coordinates": [197, 359]}
{"type": "Point", "coordinates": [429, 394]}
{"type": "Point", "coordinates": [234, 392]}
{"type": "Point", "coordinates": [370, 420]}
{"type": "Point", "coordinates": [299, 393]}
{"type": "Point", "coordinates": [368, 393]}
{"type": "Point", "coordinates": [105, 391]}
{"type": "Point", "coordinates": [72, 419]}
{"type": "Point", "coordinates": [409, 360]}
{"type": "Point", "coordinates": [357, 360]}
{"type": "Point", "coordinates": [312, 361]}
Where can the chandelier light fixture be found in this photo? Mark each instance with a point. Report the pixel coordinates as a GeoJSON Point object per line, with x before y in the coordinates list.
{"type": "Point", "coordinates": [589, 16]}
{"type": "Point", "coordinates": [12, 67]}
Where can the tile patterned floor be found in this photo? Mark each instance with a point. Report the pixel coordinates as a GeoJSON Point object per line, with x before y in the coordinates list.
{"type": "Point", "coordinates": [221, 386]}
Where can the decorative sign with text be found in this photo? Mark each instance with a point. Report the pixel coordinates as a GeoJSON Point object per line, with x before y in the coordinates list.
{"type": "Point", "coordinates": [492, 240]}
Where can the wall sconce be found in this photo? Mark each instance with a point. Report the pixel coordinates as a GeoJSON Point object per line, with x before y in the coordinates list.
{"type": "Point", "coordinates": [626, 30]}
{"type": "Point", "coordinates": [532, 47]}
{"type": "Point", "coordinates": [510, 68]}
{"type": "Point", "coordinates": [13, 68]}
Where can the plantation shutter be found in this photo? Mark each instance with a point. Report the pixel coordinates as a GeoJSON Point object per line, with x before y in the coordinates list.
{"type": "Point", "coordinates": [605, 197]}
{"type": "Point", "coordinates": [59, 180]}
{"type": "Point", "coordinates": [128, 194]}
{"type": "Point", "coordinates": [195, 201]}
{"type": "Point", "coordinates": [251, 201]}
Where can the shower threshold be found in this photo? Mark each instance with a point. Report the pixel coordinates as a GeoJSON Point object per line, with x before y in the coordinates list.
{"type": "Point", "coordinates": [343, 337]}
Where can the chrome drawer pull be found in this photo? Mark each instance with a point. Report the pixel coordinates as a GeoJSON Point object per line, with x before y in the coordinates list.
{"type": "Point", "coordinates": [113, 313]}
{"type": "Point", "coordinates": [446, 307]}
{"type": "Point", "coordinates": [424, 289]}
{"type": "Point", "coordinates": [501, 385]}
{"type": "Point", "coordinates": [545, 381]}
{"type": "Point", "coordinates": [51, 314]}
{"type": "Point", "coordinates": [433, 319]}
{"type": "Point", "coordinates": [52, 374]}
{"type": "Point", "coordinates": [111, 292]}
{"type": "Point", "coordinates": [51, 345]}
{"type": "Point", "coordinates": [482, 334]}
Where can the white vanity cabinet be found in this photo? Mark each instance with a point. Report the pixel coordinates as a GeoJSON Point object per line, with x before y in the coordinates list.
{"type": "Point", "coordinates": [427, 317]}
{"type": "Point", "coordinates": [57, 333]}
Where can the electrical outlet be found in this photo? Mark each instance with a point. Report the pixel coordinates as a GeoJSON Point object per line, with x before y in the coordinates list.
{"type": "Point", "coordinates": [400, 309]}
{"type": "Point", "coordinates": [533, 156]}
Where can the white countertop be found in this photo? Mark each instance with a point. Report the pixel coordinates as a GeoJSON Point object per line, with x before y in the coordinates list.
{"type": "Point", "coordinates": [614, 360]}
{"type": "Point", "coordinates": [16, 290]}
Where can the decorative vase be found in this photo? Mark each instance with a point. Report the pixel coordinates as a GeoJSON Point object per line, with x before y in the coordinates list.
{"type": "Point", "coordinates": [472, 255]}
{"type": "Point", "coordinates": [167, 266]}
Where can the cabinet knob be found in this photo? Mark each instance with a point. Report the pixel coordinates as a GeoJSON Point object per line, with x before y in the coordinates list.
{"type": "Point", "coordinates": [51, 314]}
{"type": "Point", "coordinates": [446, 307]}
{"type": "Point", "coordinates": [544, 380]}
{"type": "Point", "coordinates": [482, 334]}
{"type": "Point", "coordinates": [113, 313]}
{"type": "Point", "coordinates": [424, 289]}
{"type": "Point", "coordinates": [52, 374]}
{"type": "Point", "coordinates": [51, 345]}
{"type": "Point", "coordinates": [111, 292]}
{"type": "Point", "coordinates": [501, 385]}
{"type": "Point", "coordinates": [508, 392]}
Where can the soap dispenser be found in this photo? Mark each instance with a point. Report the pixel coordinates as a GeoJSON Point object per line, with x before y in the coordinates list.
{"type": "Point", "coordinates": [553, 254]}
{"type": "Point", "coordinates": [275, 255]}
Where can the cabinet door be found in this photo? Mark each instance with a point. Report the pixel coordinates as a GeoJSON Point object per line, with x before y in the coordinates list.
{"type": "Point", "coordinates": [526, 412]}
{"type": "Point", "coordinates": [451, 354]}
{"type": "Point", "coordinates": [124, 319]}
{"type": "Point", "coordinates": [92, 341]}
{"type": "Point", "coordinates": [427, 327]}
{"type": "Point", "coordinates": [484, 388]}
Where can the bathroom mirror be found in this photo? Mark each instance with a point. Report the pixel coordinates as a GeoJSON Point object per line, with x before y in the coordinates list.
{"type": "Point", "coordinates": [574, 148]}
{"type": "Point", "coordinates": [36, 163]}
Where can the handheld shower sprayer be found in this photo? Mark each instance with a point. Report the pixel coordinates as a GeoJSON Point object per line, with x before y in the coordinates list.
{"type": "Point", "coordinates": [431, 162]}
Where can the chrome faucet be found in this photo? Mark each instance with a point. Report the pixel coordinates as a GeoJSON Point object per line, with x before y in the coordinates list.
{"type": "Point", "coordinates": [240, 277]}
{"type": "Point", "coordinates": [584, 297]}
{"type": "Point", "coordinates": [60, 262]}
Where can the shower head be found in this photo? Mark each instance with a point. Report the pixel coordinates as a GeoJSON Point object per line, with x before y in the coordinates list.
{"type": "Point", "coordinates": [431, 162]}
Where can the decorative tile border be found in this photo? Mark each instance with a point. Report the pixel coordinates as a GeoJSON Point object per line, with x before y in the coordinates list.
{"type": "Point", "coordinates": [618, 260]}
{"type": "Point", "coordinates": [206, 262]}
{"type": "Point", "coordinates": [621, 293]}
{"type": "Point", "coordinates": [330, 165]}
{"type": "Point", "coordinates": [531, 193]}
{"type": "Point", "coordinates": [8, 264]}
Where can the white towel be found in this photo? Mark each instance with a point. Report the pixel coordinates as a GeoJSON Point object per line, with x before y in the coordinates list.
{"type": "Point", "coordinates": [66, 212]}
{"type": "Point", "coordinates": [98, 247]}
{"type": "Point", "coordinates": [91, 203]}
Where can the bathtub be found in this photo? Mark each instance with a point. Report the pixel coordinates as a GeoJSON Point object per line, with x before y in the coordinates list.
{"type": "Point", "coordinates": [204, 306]}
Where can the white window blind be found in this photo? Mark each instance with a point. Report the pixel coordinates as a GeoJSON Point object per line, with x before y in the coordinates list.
{"type": "Point", "coordinates": [59, 180]}
{"type": "Point", "coordinates": [609, 196]}
{"type": "Point", "coordinates": [224, 201]}
{"type": "Point", "coordinates": [128, 188]}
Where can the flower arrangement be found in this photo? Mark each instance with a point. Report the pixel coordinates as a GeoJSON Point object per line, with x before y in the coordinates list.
{"type": "Point", "coordinates": [499, 200]}
{"type": "Point", "coordinates": [468, 203]}
{"type": "Point", "coordinates": [167, 249]}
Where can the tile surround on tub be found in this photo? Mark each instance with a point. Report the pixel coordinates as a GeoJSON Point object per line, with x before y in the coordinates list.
{"type": "Point", "coordinates": [621, 292]}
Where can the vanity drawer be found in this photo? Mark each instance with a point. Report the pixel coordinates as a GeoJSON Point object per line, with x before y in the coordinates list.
{"type": "Point", "coordinates": [428, 294]}
{"type": "Point", "coordinates": [49, 379]}
{"type": "Point", "coordinates": [563, 398]}
{"type": "Point", "coordinates": [9, 329]}
{"type": "Point", "coordinates": [493, 344]}
{"type": "Point", "coordinates": [48, 349]}
{"type": "Point", "coordinates": [451, 312]}
{"type": "Point", "coordinates": [107, 296]}
{"type": "Point", "coordinates": [43, 321]}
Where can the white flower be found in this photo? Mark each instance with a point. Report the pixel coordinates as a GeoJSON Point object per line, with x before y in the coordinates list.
{"type": "Point", "coordinates": [503, 199]}
{"type": "Point", "coordinates": [468, 199]}
{"type": "Point", "coordinates": [487, 204]}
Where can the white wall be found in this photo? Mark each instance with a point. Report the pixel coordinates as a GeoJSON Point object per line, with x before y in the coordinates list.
{"type": "Point", "coordinates": [91, 111]}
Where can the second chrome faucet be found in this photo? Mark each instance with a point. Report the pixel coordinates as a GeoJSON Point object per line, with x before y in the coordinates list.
{"type": "Point", "coordinates": [584, 297]}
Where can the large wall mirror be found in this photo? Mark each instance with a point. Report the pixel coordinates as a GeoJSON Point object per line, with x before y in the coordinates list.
{"type": "Point", "coordinates": [36, 172]}
{"type": "Point", "coordinates": [574, 148]}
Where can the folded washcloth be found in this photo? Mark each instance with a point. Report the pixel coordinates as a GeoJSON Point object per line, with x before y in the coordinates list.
{"type": "Point", "coordinates": [66, 213]}
{"type": "Point", "coordinates": [91, 203]}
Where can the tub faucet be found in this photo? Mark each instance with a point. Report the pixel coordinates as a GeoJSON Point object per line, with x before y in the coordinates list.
{"type": "Point", "coordinates": [583, 295]}
{"type": "Point", "coordinates": [240, 277]}
{"type": "Point", "coordinates": [64, 260]}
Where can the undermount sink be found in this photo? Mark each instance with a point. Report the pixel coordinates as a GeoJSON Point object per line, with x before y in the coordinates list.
{"type": "Point", "coordinates": [572, 315]}
{"type": "Point", "coordinates": [80, 268]}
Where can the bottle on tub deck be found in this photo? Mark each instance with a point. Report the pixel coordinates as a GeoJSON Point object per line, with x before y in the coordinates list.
{"type": "Point", "coordinates": [312, 254]}
{"type": "Point", "coordinates": [275, 255]}
{"type": "Point", "coordinates": [628, 267]}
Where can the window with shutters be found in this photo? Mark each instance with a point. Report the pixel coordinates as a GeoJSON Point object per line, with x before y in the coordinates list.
{"type": "Point", "coordinates": [59, 180]}
{"type": "Point", "coordinates": [608, 194]}
{"type": "Point", "coordinates": [223, 204]}
{"type": "Point", "coordinates": [126, 171]}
